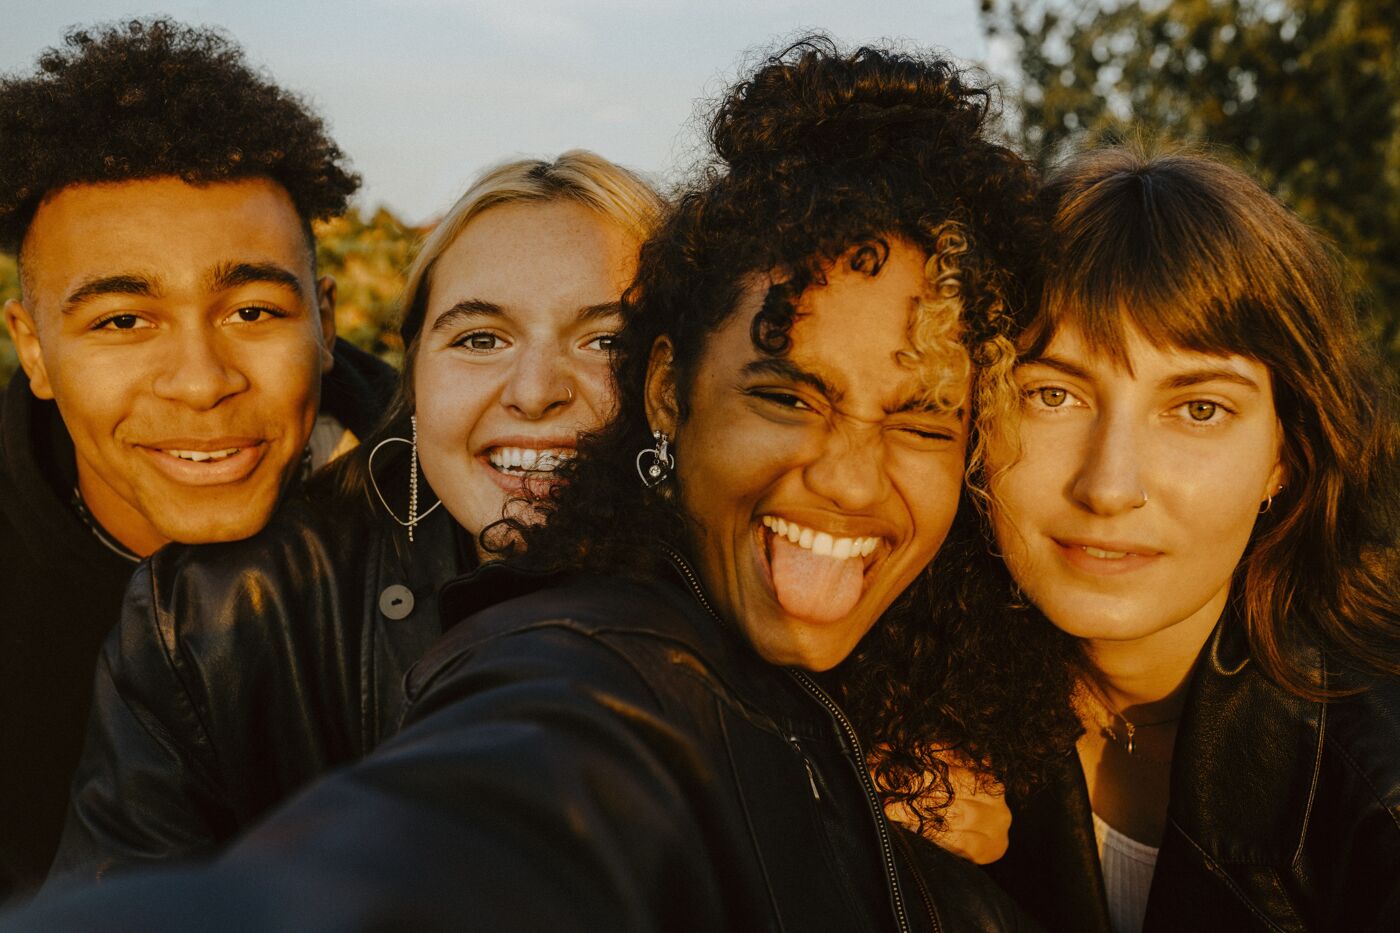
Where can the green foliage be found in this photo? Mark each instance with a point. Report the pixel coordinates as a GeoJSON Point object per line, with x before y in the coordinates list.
{"type": "Point", "coordinates": [367, 258]}
{"type": "Point", "coordinates": [1306, 91]}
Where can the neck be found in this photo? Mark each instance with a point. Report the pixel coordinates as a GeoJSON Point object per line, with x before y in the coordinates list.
{"type": "Point", "coordinates": [1144, 678]}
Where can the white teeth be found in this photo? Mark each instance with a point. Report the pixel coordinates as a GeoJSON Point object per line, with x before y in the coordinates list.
{"type": "Point", "coordinates": [528, 459]}
{"type": "Point", "coordinates": [1104, 555]}
{"type": "Point", "coordinates": [201, 456]}
{"type": "Point", "coordinates": [820, 542]}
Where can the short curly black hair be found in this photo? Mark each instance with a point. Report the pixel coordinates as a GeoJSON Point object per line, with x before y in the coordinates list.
{"type": "Point", "coordinates": [149, 98]}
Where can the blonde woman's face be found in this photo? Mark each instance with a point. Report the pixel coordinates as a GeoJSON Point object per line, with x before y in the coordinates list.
{"type": "Point", "coordinates": [513, 361]}
{"type": "Point", "coordinates": [1135, 488]}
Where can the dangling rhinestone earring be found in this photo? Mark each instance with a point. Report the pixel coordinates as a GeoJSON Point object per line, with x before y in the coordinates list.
{"type": "Point", "coordinates": [413, 517]}
{"type": "Point", "coordinates": [654, 464]}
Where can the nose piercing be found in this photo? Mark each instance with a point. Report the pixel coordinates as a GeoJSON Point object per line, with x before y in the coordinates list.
{"type": "Point", "coordinates": [570, 394]}
{"type": "Point", "coordinates": [1143, 492]}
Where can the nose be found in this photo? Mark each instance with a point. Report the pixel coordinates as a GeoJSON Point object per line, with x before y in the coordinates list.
{"type": "Point", "coordinates": [850, 470]}
{"type": "Point", "coordinates": [1110, 477]}
{"type": "Point", "coordinates": [539, 383]}
{"type": "Point", "coordinates": [199, 371]}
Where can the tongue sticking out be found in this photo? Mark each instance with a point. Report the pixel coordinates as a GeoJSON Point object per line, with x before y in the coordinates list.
{"type": "Point", "coordinates": [812, 587]}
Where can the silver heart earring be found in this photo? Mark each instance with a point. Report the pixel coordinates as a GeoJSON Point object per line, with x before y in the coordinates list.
{"type": "Point", "coordinates": [413, 517]}
{"type": "Point", "coordinates": [654, 464]}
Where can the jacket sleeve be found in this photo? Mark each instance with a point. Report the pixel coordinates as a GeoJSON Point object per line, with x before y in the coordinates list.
{"type": "Point", "coordinates": [538, 785]}
{"type": "Point", "coordinates": [145, 788]}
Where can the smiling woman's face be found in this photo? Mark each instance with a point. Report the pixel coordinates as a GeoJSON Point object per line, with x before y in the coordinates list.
{"type": "Point", "coordinates": [818, 484]}
{"type": "Point", "coordinates": [1135, 489]}
{"type": "Point", "coordinates": [513, 361]}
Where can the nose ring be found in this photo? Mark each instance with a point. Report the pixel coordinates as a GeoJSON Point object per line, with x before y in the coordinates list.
{"type": "Point", "coordinates": [569, 397]}
{"type": "Point", "coordinates": [1144, 499]}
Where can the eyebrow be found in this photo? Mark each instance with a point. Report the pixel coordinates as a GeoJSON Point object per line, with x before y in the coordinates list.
{"type": "Point", "coordinates": [1183, 380]}
{"type": "Point", "coordinates": [477, 308]}
{"type": "Point", "coordinates": [786, 369]}
{"type": "Point", "coordinates": [125, 284]}
{"type": "Point", "coordinates": [230, 275]}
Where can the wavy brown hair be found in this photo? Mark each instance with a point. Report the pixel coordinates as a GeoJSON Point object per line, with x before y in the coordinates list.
{"type": "Point", "coordinates": [823, 156]}
{"type": "Point", "coordinates": [1194, 254]}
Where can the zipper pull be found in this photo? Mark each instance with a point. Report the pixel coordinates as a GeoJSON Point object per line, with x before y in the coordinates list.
{"type": "Point", "coordinates": [811, 775]}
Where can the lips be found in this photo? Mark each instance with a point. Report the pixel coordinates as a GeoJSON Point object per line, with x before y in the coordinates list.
{"type": "Point", "coordinates": [205, 462]}
{"type": "Point", "coordinates": [523, 464]}
{"type": "Point", "coordinates": [1104, 557]}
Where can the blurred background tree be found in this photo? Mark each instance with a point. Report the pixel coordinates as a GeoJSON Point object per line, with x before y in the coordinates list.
{"type": "Point", "coordinates": [367, 257]}
{"type": "Point", "coordinates": [1307, 92]}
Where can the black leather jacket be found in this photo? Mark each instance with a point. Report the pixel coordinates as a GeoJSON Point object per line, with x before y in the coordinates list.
{"type": "Point", "coordinates": [599, 755]}
{"type": "Point", "coordinates": [240, 671]}
{"type": "Point", "coordinates": [1284, 814]}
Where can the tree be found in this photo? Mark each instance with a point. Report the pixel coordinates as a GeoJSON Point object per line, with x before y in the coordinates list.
{"type": "Point", "coordinates": [1306, 91]}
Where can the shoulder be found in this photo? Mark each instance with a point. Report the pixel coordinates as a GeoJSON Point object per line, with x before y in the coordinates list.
{"type": "Point", "coordinates": [294, 568]}
{"type": "Point", "coordinates": [615, 621]}
{"type": "Point", "coordinates": [1364, 731]}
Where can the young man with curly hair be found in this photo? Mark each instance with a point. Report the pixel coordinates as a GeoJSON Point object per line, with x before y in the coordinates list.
{"type": "Point", "coordinates": [177, 350]}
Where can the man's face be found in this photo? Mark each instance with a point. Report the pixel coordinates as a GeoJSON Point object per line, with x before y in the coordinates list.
{"type": "Point", "coordinates": [181, 334]}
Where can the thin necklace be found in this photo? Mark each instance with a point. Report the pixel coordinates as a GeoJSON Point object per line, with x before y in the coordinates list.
{"type": "Point", "coordinates": [1128, 739]}
{"type": "Point", "coordinates": [100, 533]}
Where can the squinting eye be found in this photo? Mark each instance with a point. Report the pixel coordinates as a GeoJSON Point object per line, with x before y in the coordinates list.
{"type": "Point", "coordinates": [607, 342]}
{"type": "Point", "coordinates": [1201, 411]}
{"type": "Point", "coordinates": [1052, 396]}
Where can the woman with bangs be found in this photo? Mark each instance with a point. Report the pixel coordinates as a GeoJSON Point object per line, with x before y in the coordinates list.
{"type": "Point", "coordinates": [1200, 489]}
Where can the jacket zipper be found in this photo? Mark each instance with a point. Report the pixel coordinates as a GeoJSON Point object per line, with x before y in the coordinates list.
{"type": "Point", "coordinates": [853, 742]}
{"type": "Point", "coordinates": [871, 797]}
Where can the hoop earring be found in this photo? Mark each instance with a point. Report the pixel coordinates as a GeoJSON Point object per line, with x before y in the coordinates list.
{"type": "Point", "coordinates": [413, 517]}
{"type": "Point", "coordinates": [662, 461]}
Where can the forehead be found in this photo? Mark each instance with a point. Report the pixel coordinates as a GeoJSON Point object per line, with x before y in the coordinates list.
{"type": "Point", "coordinates": [540, 253]}
{"type": "Point", "coordinates": [1140, 358]}
{"type": "Point", "coordinates": [162, 228]}
{"type": "Point", "coordinates": [853, 331]}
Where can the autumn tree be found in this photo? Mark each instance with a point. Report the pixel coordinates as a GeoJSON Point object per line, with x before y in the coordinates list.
{"type": "Point", "coordinates": [1306, 92]}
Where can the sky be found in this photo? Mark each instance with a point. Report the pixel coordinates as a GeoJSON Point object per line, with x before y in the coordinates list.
{"type": "Point", "coordinates": [424, 94]}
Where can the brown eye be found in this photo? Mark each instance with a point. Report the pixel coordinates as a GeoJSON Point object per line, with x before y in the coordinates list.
{"type": "Point", "coordinates": [1052, 397]}
{"type": "Point", "coordinates": [1201, 411]}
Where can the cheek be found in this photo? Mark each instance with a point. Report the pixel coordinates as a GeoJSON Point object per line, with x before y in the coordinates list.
{"type": "Point", "coordinates": [449, 403]}
{"type": "Point", "coordinates": [595, 390]}
{"type": "Point", "coordinates": [934, 501]}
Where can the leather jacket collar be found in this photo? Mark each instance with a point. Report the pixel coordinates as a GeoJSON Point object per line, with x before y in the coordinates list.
{"type": "Point", "coordinates": [1256, 814]}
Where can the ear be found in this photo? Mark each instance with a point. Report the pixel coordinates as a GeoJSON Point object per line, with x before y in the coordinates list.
{"type": "Point", "coordinates": [1278, 476]}
{"type": "Point", "coordinates": [25, 336]}
{"type": "Point", "coordinates": [663, 414]}
{"type": "Point", "coordinates": [325, 304]}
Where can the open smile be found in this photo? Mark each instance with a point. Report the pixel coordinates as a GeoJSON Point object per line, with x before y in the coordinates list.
{"type": "Point", "coordinates": [514, 465]}
{"type": "Point", "coordinates": [815, 575]}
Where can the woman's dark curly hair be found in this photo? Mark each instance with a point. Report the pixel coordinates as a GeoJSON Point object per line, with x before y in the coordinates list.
{"type": "Point", "coordinates": [152, 98]}
{"type": "Point", "coordinates": [821, 156]}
